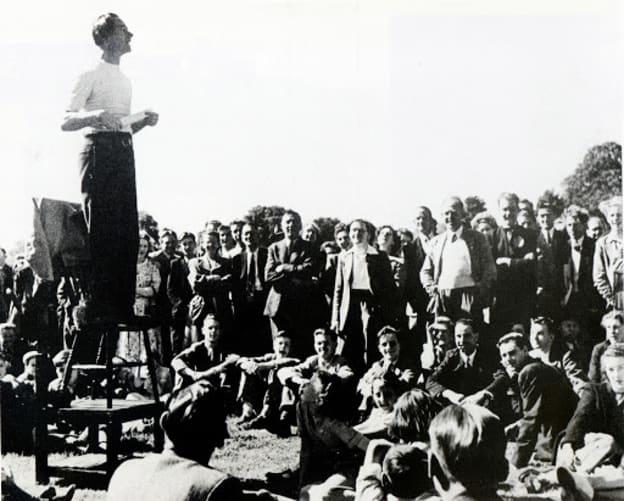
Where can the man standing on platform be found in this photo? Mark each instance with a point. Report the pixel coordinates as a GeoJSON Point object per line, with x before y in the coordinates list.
{"type": "Point", "coordinates": [100, 106]}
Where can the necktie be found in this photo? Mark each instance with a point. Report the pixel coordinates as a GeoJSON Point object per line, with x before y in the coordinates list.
{"type": "Point", "coordinates": [251, 277]}
{"type": "Point", "coordinates": [454, 238]}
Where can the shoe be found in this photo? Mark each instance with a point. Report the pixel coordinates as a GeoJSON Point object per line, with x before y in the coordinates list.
{"type": "Point", "coordinates": [257, 423]}
{"type": "Point", "coordinates": [245, 417]}
{"type": "Point", "coordinates": [574, 487]}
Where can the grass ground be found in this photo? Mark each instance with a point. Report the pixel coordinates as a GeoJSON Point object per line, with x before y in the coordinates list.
{"type": "Point", "coordinates": [248, 455]}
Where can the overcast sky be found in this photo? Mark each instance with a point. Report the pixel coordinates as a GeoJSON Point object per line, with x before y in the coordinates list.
{"type": "Point", "coordinates": [334, 108]}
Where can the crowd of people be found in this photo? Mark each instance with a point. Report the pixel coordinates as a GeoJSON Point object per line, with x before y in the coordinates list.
{"type": "Point", "coordinates": [361, 342]}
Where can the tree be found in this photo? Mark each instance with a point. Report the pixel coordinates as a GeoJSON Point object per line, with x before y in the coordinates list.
{"type": "Point", "coordinates": [148, 224]}
{"type": "Point", "coordinates": [326, 227]}
{"type": "Point", "coordinates": [555, 201]}
{"type": "Point", "coordinates": [597, 178]}
{"type": "Point", "coordinates": [267, 220]}
{"type": "Point", "coordinates": [473, 205]}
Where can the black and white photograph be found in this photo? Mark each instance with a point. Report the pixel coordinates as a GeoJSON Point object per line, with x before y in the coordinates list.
{"type": "Point", "coordinates": [316, 250]}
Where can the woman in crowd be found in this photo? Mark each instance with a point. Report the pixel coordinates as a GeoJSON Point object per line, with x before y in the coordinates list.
{"type": "Point", "coordinates": [485, 223]}
{"type": "Point", "coordinates": [609, 257]}
{"type": "Point", "coordinates": [613, 324]}
{"type": "Point", "coordinates": [131, 346]}
{"type": "Point", "coordinates": [210, 277]}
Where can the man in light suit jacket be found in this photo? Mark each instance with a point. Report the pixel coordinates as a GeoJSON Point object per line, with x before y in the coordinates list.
{"type": "Point", "coordinates": [458, 271]}
{"type": "Point", "coordinates": [365, 297]}
{"type": "Point", "coordinates": [249, 294]}
{"type": "Point", "coordinates": [294, 303]}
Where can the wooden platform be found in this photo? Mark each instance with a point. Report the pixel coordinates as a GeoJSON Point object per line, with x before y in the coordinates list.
{"type": "Point", "coordinates": [121, 410]}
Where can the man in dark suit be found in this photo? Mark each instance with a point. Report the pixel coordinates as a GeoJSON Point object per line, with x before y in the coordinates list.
{"type": "Point", "coordinates": [458, 271]}
{"type": "Point", "coordinates": [364, 298]}
{"type": "Point", "coordinates": [179, 292]}
{"type": "Point", "coordinates": [249, 293]}
{"type": "Point", "coordinates": [550, 248]}
{"type": "Point", "coordinates": [294, 303]}
{"type": "Point", "coordinates": [514, 253]}
{"type": "Point", "coordinates": [6, 286]}
{"type": "Point", "coordinates": [543, 398]}
{"type": "Point", "coordinates": [580, 298]}
{"type": "Point", "coordinates": [465, 371]}
{"type": "Point", "coordinates": [163, 258]}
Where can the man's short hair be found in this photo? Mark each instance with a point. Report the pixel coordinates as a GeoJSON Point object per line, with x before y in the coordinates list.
{"type": "Point", "coordinates": [545, 321]}
{"type": "Point", "coordinates": [103, 27]}
{"type": "Point", "coordinates": [195, 418]}
{"type": "Point", "coordinates": [465, 438]}
{"type": "Point", "coordinates": [322, 331]}
{"type": "Point", "coordinates": [454, 201]}
{"type": "Point", "coordinates": [612, 315]}
{"type": "Point", "coordinates": [516, 337]}
{"type": "Point", "coordinates": [29, 355]}
{"type": "Point", "coordinates": [61, 358]}
{"type": "Point", "coordinates": [576, 212]}
{"type": "Point", "coordinates": [385, 330]}
{"type": "Point", "coordinates": [466, 321]}
{"type": "Point", "coordinates": [168, 232]}
{"type": "Point", "coordinates": [509, 197]}
{"type": "Point", "coordinates": [294, 214]}
{"type": "Point", "coordinates": [7, 326]}
{"type": "Point", "coordinates": [339, 228]}
{"type": "Point", "coordinates": [237, 222]}
{"type": "Point", "coordinates": [404, 471]}
{"type": "Point", "coordinates": [405, 231]}
{"type": "Point", "coordinates": [412, 415]}
{"type": "Point", "coordinates": [614, 351]}
{"type": "Point", "coordinates": [188, 234]}
{"type": "Point", "coordinates": [204, 235]}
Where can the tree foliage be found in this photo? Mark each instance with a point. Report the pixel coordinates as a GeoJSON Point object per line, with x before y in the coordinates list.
{"type": "Point", "coordinates": [148, 224]}
{"type": "Point", "coordinates": [267, 219]}
{"type": "Point", "coordinates": [473, 205]}
{"type": "Point", "coordinates": [597, 178]}
{"type": "Point", "coordinates": [554, 200]}
{"type": "Point", "coordinates": [326, 226]}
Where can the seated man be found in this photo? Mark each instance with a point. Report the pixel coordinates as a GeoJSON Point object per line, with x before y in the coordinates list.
{"type": "Point", "coordinates": [467, 458]}
{"type": "Point", "coordinates": [439, 341]}
{"type": "Point", "coordinates": [595, 434]}
{"type": "Point", "coordinates": [465, 371]}
{"type": "Point", "coordinates": [194, 427]}
{"type": "Point", "coordinates": [205, 359]}
{"type": "Point", "coordinates": [548, 350]}
{"type": "Point", "coordinates": [541, 396]}
{"type": "Point", "coordinates": [260, 390]}
{"type": "Point", "coordinates": [403, 369]}
{"type": "Point", "coordinates": [326, 360]}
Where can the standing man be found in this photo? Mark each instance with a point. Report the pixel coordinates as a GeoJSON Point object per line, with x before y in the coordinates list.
{"type": "Point", "coordinates": [580, 299]}
{"type": "Point", "coordinates": [180, 292]}
{"type": "Point", "coordinates": [294, 303]}
{"type": "Point", "coordinates": [550, 249]}
{"type": "Point", "coordinates": [6, 287]}
{"type": "Point", "coordinates": [163, 259]}
{"type": "Point", "coordinates": [100, 106]}
{"type": "Point", "coordinates": [459, 271]}
{"type": "Point", "coordinates": [249, 295]}
{"type": "Point", "coordinates": [514, 253]}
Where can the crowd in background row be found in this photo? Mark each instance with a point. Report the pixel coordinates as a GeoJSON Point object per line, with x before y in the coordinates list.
{"type": "Point", "coordinates": [506, 313]}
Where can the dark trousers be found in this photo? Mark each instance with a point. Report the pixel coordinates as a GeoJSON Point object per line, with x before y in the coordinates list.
{"type": "Point", "coordinates": [360, 332]}
{"type": "Point", "coordinates": [109, 202]}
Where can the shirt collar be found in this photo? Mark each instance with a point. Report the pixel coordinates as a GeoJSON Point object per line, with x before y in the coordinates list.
{"type": "Point", "coordinates": [369, 250]}
{"type": "Point", "coordinates": [468, 358]}
{"type": "Point", "coordinates": [458, 232]}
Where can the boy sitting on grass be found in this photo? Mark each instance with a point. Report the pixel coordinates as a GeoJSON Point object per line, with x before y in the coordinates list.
{"type": "Point", "coordinates": [294, 378]}
{"type": "Point", "coordinates": [260, 389]}
{"type": "Point", "coordinates": [205, 359]}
